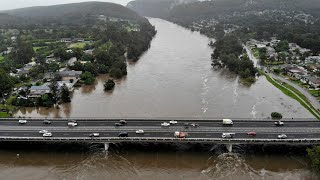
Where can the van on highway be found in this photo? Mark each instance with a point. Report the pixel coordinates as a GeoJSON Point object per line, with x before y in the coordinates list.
{"type": "Point", "coordinates": [227, 122]}
{"type": "Point", "coordinates": [228, 135]}
{"type": "Point", "coordinates": [72, 124]}
{"type": "Point", "coordinates": [123, 134]}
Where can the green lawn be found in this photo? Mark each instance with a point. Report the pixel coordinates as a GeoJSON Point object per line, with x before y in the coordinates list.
{"type": "Point", "coordinates": [4, 115]}
{"type": "Point", "coordinates": [78, 45]}
{"type": "Point", "coordinates": [315, 93]}
{"type": "Point", "coordinates": [1, 58]}
{"type": "Point", "coordinates": [36, 48]}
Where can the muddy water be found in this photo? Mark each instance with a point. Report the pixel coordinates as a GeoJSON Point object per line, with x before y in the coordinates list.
{"type": "Point", "coordinates": [148, 164]}
{"type": "Point", "coordinates": [174, 79]}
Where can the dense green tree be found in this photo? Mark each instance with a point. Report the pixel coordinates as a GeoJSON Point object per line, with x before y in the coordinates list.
{"type": "Point", "coordinates": [22, 52]}
{"type": "Point", "coordinates": [314, 156]}
{"type": "Point", "coordinates": [6, 83]}
{"type": "Point", "coordinates": [87, 78]}
{"type": "Point", "coordinates": [54, 91]}
{"type": "Point", "coordinates": [65, 94]}
{"type": "Point", "coordinates": [109, 85]}
{"type": "Point", "coordinates": [276, 115]}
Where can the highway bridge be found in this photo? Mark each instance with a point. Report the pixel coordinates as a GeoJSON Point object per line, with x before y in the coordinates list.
{"type": "Point", "coordinates": [208, 131]}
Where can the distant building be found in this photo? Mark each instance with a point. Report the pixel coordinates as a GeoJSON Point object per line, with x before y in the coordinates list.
{"type": "Point", "coordinates": [66, 40]}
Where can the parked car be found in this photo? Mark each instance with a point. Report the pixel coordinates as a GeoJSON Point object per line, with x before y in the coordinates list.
{"type": "Point", "coordinates": [282, 136]}
{"type": "Point", "coordinates": [48, 134]}
{"type": "Point", "coordinates": [173, 122]}
{"type": "Point", "coordinates": [46, 122]}
{"type": "Point", "coordinates": [94, 135]}
{"type": "Point", "coordinates": [22, 121]}
{"type": "Point", "coordinates": [43, 131]}
{"type": "Point", "coordinates": [165, 124]}
{"type": "Point", "coordinates": [251, 133]}
{"type": "Point", "coordinates": [279, 123]}
{"type": "Point", "coordinates": [140, 131]}
{"type": "Point", "coordinates": [123, 122]}
{"type": "Point", "coordinates": [123, 134]}
{"type": "Point", "coordinates": [118, 124]}
{"type": "Point", "coordinates": [227, 135]}
{"type": "Point", "coordinates": [72, 124]}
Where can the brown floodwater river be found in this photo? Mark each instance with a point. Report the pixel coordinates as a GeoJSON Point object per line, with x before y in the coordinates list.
{"type": "Point", "coordinates": [172, 79]}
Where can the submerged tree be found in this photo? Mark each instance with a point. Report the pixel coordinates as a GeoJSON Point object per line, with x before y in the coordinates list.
{"type": "Point", "coordinates": [65, 94]}
{"type": "Point", "coordinates": [109, 85]}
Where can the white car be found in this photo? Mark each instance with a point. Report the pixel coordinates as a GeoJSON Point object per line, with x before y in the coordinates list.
{"type": "Point", "coordinates": [43, 131]}
{"type": "Point", "coordinates": [173, 122]}
{"type": "Point", "coordinates": [94, 135]}
{"type": "Point", "coordinates": [47, 134]}
{"type": "Point", "coordinates": [165, 124]}
{"type": "Point", "coordinates": [22, 121]}
{"type": "Point", "coordinates": [140, 131]}
{"type": "Point", "coordinates": [73, 124]}
{"type": "Point", "coordinates": [282, 136]}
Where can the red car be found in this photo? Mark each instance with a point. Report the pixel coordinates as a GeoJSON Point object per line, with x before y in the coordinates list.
{"type": "Point", "coordinates": [251, 133]}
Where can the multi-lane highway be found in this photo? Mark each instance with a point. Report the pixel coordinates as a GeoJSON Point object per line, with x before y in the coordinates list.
{"type": "Point", "coordinates": [303, 130]}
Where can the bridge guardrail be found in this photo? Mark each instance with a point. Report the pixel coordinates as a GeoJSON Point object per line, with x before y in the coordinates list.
{"type": "Point", "coordinates": [159, 139]}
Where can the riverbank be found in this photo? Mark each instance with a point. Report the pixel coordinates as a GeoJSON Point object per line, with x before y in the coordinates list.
{"type": "Point", "coordinates": [293, 93]}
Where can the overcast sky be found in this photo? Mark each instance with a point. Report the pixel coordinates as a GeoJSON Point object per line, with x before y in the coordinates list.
{"type": "Point", "coordinates": [13, 4]}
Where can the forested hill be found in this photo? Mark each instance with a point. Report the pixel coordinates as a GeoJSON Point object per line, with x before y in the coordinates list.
{"type": "Point", "coordinates": [156, 8]}
{"type": "Point", "coordinates": [69, 12]}
{"type": "Point", "coordinates": [6, 19]}
{"type": "Point", "coordinates": [219, 8]}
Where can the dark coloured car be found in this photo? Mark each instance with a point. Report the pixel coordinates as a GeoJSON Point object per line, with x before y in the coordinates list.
{"type": "Point", "coordinates": [123, 122]}
{"type": "Point", "coordinates": [46, 122]}
{"type": "Point", "coordinates": [123, 134]}
{"type": "Point", "coordinates": [118, 124]}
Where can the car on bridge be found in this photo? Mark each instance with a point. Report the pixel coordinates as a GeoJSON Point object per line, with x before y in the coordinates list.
{"type": "Point", "coordinates": [140, 131]}
{"type": "Point", "coordinates": [118, 124]}
{"type": "Point", "coordinates": [279, 123]}
{"type": "Point", "coordinates": [228, 135]}
{"type": "Point", "coordinates": [173, 122]}
{"type": "Point", "coordinates": [72, 123]}
{"type": "Point", "coordinates": [227, 122]}
{"type": "Point", "coordinates": [48, 134]}
{"type": "Point", "coordinates": [46, 122]}
{"type": "Point", "coordinates": [123, 134]}
{"type": "Point", "coordinates": [251, 133]}
{"type": "Point", "coordinates": [123, 122]}
{"type": "Point", "coordinates": [43, 131]}
{"type": "Point", "coordinates": [94, 135]}
{"type": "Point", "coordinates": [21, 121]}
{"type": "Point", "coordinates": [178, 134]}
{"type": "Point", "coordinates": [165, 124]}
{"type": "Point", "coordinates": [282, 136]}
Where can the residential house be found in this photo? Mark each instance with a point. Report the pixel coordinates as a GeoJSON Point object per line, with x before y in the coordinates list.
{"type": "Point", "coordinates": [70, 75]}
{"type": "Point", "coordinates": [71, 61]}
{"type": "Point", "coordinates": [66, 40]}
{"type": "Point", "coordinates": [312, 81]}
{"type": "Point", "coordinates": [67, 83]}
{"type": "Point", "coordinates": [38, 91]}
{"type": "Point", "coordinates": [295, 72]}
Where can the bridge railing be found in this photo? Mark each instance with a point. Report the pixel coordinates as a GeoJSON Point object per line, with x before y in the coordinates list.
{"type": "Point", "coordinates": [159, 139]}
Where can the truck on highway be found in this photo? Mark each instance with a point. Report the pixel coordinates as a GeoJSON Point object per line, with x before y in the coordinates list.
{"type": "Point", "coordinates": [227, 122]}
{"type": "Point", "coordinates": [178, 134]}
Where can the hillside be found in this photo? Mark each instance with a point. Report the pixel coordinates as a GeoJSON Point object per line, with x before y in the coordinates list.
{"type": "Point", "coordinates": [155, 8]}
{"type": "Point", "coordinates": [69, 12]}
{"type": "Point", "coordinates": [6, 19]}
